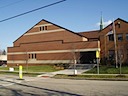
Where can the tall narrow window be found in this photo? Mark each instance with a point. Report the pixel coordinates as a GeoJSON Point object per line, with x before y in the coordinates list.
{"type": "Point", "coordinates": [111, 54]}
{"type": "Point", "coordinates": [120, 37]}
{"type": "Point", "coordinates": [35, 56]}
{"type": "Point", "coordinates": [32, 56]}
{"type": "Point", "coordinates": [40, 28]}
{"type": "Point", "coordinates": [111, 37]}
{"type": "Point", "coordinates": [29, 56]}
{"type": "Point", "coordinates": [127, 36]}
{"type": "Point", "coordinates": [45, 27]}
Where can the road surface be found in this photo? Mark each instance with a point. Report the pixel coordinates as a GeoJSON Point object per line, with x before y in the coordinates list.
{"type": "Point", "coordinates": [38, 86]}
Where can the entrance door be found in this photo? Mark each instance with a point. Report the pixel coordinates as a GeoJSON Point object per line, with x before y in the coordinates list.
{"type": "Point", "coordinates": [88, 57]}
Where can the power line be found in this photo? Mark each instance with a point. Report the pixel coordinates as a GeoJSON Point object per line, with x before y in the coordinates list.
{"type": "Point", "coordinates": [32, 10]}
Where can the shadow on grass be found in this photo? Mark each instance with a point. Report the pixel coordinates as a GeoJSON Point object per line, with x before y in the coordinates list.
{"type": "Point", "coordinates": [45, 91]}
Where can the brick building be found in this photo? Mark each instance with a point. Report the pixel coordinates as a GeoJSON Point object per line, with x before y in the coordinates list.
{"type": "Point", "coordinates": [48, 43]}
{"type": "Point", "coordinates": [119, 46]}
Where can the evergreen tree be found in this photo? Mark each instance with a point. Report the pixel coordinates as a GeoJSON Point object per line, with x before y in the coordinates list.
{"type": "Point", "coordinates": [4, 52]}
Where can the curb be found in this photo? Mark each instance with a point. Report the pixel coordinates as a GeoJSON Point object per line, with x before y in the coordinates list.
{"type": "Point", "coordinates": [100, 79]}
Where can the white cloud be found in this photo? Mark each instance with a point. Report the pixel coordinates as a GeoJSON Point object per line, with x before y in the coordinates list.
{"type": "Point", "coordinates": [106, 23]}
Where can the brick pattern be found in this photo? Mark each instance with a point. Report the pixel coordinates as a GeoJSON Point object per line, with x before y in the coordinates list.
{"type": "Point", "coordinates": [61, 40]}
{"type": "Point", "coordinates": [121, 27]}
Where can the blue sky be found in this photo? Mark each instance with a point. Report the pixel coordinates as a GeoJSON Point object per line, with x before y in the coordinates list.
{"type": "Point", "coordinates": [75, 15]}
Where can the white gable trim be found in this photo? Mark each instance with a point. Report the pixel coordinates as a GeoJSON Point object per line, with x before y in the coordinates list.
{"type": "Point", "coordinates": [38, 61]}
{"type": "Point", "coordinates": [54, 51]}
{"type": "Point", "coordinates": [43, 25]}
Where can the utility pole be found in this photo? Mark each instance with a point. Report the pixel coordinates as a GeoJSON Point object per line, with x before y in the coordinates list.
{"type": "Point", "coordinates": [115, 43]}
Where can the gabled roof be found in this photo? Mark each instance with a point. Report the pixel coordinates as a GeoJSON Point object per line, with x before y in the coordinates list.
{"type": "Point", "coordinates": [62, 27]}
{"type": "Point", "coordinates": [90, 34]}
{"type": "Point", "coordinates": [115, 21]}
{"type": "Point", "coordinates": [95, 33]}
{"type": "Point", "coordinates": [52, 24]}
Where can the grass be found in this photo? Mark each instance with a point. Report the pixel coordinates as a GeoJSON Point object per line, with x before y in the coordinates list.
{"type": "Point", "coordinates": [44, 68]}
{"type": "Point", "coordinates": [93, 77]}
{"type": "Point", "coordinates": [28, 71]}
{"type": "Point", "coordinates": [109, 70]}
{"type": "Point", "coordinates": [111, 74]}
{"type": "Point", "coordinates": [41, 68]}
{"type": "Point", "coordinates": [36, 70]}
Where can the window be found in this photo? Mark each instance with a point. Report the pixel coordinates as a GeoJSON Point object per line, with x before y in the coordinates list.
{"type": "Point", "coordinates": [32, 56]}
{"type": "Point", "coordinates": [111, 54]}
{"type": "Point", "coordinates": [35, 56]}
{"type": "Point", "coordinates": [42, 28]}
{"type": "Point", "coordinates": [127, 36]}
{"type": "Point", "coordinates": [120, 37]}
{"type": "Point", "coordinates": [29, 56]}
{"type": "Point", "coordinates": [111, 37]}
{"type": "Point", "coordinates": [45, 27]}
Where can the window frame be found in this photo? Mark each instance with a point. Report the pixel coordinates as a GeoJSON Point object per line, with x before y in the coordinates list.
{"type": "Point", "coordinates": [120, 37]}
{"type": "Point", "coordinates": [111, 54]}
{"type": "Point", "coordinates": [111, 37]}
{"type": "Point", "coordinates": [32, 56]}
{"type": "Point", "coordinates": [126, 36]}
{"type": "Point", "coordinates": [43, 28]}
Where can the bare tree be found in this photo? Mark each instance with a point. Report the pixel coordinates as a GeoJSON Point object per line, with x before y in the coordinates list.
{"type": "Point", "coordinates": [75, 54]}
{"type": "Point", "coordinates": [120, 57]}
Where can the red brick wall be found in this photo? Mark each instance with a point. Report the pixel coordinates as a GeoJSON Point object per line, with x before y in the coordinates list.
{"type": "Point", "coordinates": [110, 44]}
{"type": "Point", "coordinates": [64, 35]}
{"type": "Point", "coordinates": [61, 40]}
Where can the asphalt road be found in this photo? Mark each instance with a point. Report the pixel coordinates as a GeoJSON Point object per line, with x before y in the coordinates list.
{"type": "Point", "coordinates": [38, 86]}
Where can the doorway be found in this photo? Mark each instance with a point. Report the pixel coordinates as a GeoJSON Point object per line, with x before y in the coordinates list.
{"type": "Point", "coordinates": [88, 57]}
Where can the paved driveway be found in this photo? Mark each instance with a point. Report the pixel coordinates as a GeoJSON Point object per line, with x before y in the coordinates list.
{"type": "Point", "coordinates": [69, 71]}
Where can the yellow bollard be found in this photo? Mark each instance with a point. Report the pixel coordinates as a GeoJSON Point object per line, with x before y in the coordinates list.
{"type": "Point", "coordinates": [20, 72]}
{"type": "Point", "coordinates": [98, 57]}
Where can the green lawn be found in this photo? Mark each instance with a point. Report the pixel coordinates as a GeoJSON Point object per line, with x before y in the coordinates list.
{"type": "Point", "coordinates": [112, 73]}
{"type": "Point", "coordinates": [41, 68]}
{"type": "Point", "coordinates": [93, 77]}
{"type": "Point", "coordinates": [109, 70]}
{"type": "Point", "coordinates": [28, 71]}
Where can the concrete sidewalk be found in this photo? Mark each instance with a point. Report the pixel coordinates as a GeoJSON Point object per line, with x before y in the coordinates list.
{"type": "Point", "coordinates": [66, 71]}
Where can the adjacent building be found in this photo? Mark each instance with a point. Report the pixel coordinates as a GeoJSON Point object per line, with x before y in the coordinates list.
{"type": "Point", "coordinates": [48, 43]}
{"type": "Point", "coordinates": [3, 60]}
{"type": "Point", "coordinates": [114, 42]}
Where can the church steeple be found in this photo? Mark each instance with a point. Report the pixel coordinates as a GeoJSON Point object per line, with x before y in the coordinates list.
{"type": "Point", "coordinates": [101, 23]}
